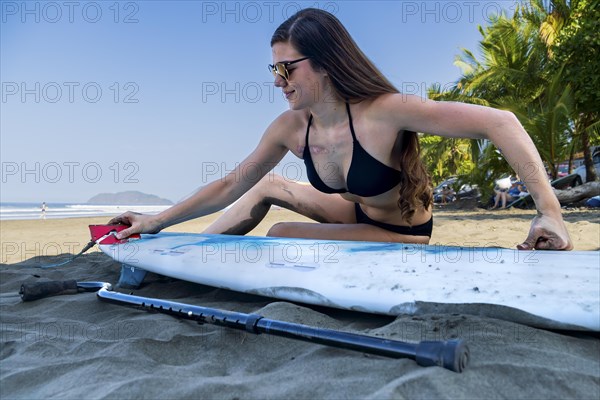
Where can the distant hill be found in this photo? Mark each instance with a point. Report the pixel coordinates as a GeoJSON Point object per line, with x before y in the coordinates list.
{"type": "Point", "coordinates": [129, 198]}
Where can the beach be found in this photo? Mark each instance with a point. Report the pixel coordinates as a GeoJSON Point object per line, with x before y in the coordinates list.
{"type": "Point", "coordinates": [74, 346]}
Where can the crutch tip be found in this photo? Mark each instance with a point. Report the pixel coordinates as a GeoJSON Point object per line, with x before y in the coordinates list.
{"type": "Point", "coordinates": [450, 354]}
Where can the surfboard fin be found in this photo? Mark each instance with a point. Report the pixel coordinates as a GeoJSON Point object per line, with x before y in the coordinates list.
{"type": "Point", "coordinates": [131, 277]}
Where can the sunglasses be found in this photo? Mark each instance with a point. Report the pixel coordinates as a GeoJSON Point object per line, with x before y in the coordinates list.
{"type": "Point", "coordinates": [281, 68]}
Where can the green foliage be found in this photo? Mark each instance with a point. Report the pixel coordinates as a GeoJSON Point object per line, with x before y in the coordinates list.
{"type": "Point", "coordinates": [577, 49]}
{"type": "Point", "coordinates": [511, 64]}
{"type": "Point", "coordinates": [548, 122]}
{"type": "Point", "coordinates": [490, 166]}
{"type": "Point", "coordinates": [543, 64]}
{"type": "Point", "coordinates": [445, 157]}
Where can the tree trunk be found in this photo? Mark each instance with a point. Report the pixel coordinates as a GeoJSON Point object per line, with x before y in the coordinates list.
{"type": "Point", "coordinates": [570, 166]}
{"type": "Point", "coordinates": [590, 171]}
{"type": "Point", "coordinates": [581, 192]}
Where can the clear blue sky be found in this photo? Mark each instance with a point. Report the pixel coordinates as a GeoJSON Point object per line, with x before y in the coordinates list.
{"type": "Point", "coordinates": [163, 97]}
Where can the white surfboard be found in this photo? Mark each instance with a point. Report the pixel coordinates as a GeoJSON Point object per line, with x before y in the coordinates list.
{"type": "Point", "coordinates": [548, 289]}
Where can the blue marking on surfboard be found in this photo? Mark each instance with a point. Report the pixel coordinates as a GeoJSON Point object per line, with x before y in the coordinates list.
{"type": "Point", "coordinates": [373, 247]}
{"type": "Point", "coordinates": [210, 238]}
{"type": "Point", "coordinates": [356, 247]}
{"type": "Point", "coordinates": [351, 248]}
{"type": "Point", "coordinates": [226, 239]}
{"type": "Point", "coordinates": [410, 248]}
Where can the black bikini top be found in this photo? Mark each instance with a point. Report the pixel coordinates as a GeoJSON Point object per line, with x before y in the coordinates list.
{"type": "Point", "coordinates": [367, 176]}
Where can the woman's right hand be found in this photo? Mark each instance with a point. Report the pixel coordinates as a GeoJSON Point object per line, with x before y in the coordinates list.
{"type": "Point", "coordinates": [138, 223]}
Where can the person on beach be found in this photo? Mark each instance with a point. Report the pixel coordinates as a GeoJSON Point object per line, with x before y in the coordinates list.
{"type": "Point", "coordinates": [44, 207]}
{"type": "Point", "coordinates": [506, 196]}
{"type": "Point", "coordinates": [501, 190]}
{"type": "Point", "coordinates": [357, 136]}
{"type": "Point", "coordinates": [447, 195]}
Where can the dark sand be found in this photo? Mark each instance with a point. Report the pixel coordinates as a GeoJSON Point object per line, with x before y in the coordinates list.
{"type": "Point", "coordinates": [75, 346]}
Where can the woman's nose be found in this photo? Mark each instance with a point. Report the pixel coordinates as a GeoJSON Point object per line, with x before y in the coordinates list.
{"type": "Point", "coordinates": [279, 81]}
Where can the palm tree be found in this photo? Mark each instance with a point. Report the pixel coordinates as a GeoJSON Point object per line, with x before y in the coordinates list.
{"type": "Point", "coordinates": [548, 121]}
{"type": "Point", "coordinates": [512, 65]}
{"type": "Point", "coordinates": [446, 157]}
{"type": "Point", "coordinates": [515, 72]}
{"type": "Point", "coordinates": [576, 48]}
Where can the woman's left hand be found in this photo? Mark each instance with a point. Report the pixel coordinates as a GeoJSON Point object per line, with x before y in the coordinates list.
{"type": "Point", "coordinates": [547, 233]}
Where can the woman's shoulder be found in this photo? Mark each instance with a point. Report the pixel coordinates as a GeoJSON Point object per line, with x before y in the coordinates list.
{"type": "Point", "coordinates": [288, 128]}
{"type": "Point", "coordinates": [391, 105]}
{"type": "Point", "coordinates": [291, 119]}
{"type": "Point", "coordinates": [287, 122]}
{"type": "Point", "coordinates": [406, 112]}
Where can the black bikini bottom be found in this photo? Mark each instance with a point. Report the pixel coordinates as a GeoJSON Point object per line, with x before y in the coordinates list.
{"type": "Point", "coordinates": [417, 230]}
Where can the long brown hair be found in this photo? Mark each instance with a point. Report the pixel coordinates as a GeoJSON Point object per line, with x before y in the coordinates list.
{"type": "Point", "coordinates": [321, 36]}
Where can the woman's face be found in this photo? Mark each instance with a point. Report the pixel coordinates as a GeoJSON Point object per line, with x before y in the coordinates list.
{"type": "Point", "coordinates": [304, 86]}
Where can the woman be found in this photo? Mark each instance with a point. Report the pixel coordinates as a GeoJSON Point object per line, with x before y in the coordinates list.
{"type": "Point", "coordinates": [356, 134]}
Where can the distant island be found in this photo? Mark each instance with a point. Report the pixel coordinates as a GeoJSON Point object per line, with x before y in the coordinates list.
{"type": "Point", "coordinates": [129, 198]}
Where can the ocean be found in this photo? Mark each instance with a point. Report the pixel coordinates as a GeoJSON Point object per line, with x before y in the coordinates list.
{"type": "Point", "coordinates": [16, 211]}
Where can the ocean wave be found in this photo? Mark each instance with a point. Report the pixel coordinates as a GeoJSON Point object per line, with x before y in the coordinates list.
{"type": "Point", "coordinates": [27, 211]}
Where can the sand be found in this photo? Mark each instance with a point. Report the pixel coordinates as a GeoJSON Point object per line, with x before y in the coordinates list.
{"type": "Point", "coordinates": [77, 347]}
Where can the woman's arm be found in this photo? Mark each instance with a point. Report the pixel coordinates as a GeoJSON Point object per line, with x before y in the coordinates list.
{"type": "Point", "coordinates": [220, 193]}
{"type": "Point", "coordinates": [502, 128]}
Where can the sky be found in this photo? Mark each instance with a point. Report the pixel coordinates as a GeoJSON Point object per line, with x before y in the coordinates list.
{"type": "Point", "coordinates": [164, 97]}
